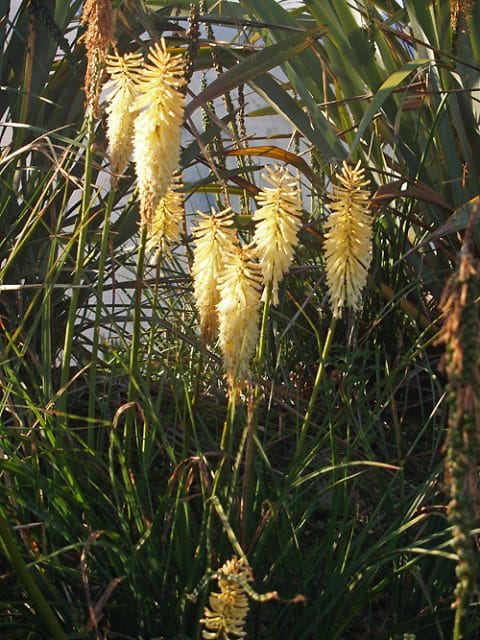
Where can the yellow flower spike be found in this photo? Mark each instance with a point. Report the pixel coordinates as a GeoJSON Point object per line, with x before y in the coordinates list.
{"type": "Point", "coordinates": [123, 71]}
{"type": "Point", "coordinates": [166, 227]}
{"type": "Point", "coordinates": [277, 223]}
{"type": "Point", "coordinates": [214, 239]}
{"type": "Point", "coordinates": [228, 610]}
{"type": "Point", "coordinates": [348, 240]}
{"type": "Point", "coordinates": [158, 127]}
{"type": "Point", "coordinates": [238, 314]}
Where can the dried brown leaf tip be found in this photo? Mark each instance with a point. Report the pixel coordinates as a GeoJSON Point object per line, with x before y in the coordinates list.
{"type": "Point", "coordinates": [99, 17]}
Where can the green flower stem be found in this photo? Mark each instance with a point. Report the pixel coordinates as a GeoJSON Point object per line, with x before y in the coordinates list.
{"type": "Point", "coordinates": [135, 347]}
{"type": "Point", "coordinates": [41, 605]}
{"type": "Point", "coordinates": [252, 421]}
{"type": "Point", "coordinates": [92, 381]}
{"type": "Point", "coordinates": [263, 335]}
{"type": "Point", "coordinates": [226, 441]}
{"type": "Point", "coordinates": [78, 274]}
{"type": "Point", "coordinates": [457, 624]}
{"type": "Point", "coordinates": [316, 386]}
{"type": "Point", "coordinates": [19, 134]}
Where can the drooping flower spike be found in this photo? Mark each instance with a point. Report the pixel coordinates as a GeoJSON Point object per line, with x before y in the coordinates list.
{"type": "Point", "coordinates": [157, 131]}
{"type": "Point", "coordinates": [227, 612]}
{"type": "Point", "coordinates": [238, 314]}
{"type": "Point", "coordinates": [123, 71]}
{"type": "Point", "coordinates": [215, 239]}
{"type": "Point", "coordinates": [348, 240]}
{"type": "Point", "coordinates": [276, 229]}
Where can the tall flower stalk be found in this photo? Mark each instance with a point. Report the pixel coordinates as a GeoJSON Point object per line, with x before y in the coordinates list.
{"type": "Point", "coordinates": [158, 126]}
{"type": "Point", "coordinates": [348, 239]}
{"type": "Point", "coordinates": [276, 230]}
{"type": "Point", "coordinates": [348, 253]}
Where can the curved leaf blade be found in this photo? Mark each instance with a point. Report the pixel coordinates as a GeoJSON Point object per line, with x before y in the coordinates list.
{"type": "Point", "coordinates": [390, 84]}
{"type": "Point", "coordinates": [253, 66]}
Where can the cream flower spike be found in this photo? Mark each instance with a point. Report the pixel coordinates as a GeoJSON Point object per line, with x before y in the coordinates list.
{"type": "Point", "coordinates": [228, 610]}
{"type": "Point", "coordinates": [215, 238]}
{"type": "Point", "coordinates": [123, 71]}
{"type": "Point", "coordinates": [276, 230]}
{"type": "Point", "coordinates": [238, 314]}
{"type": "Point", "coordinates": [167, 224]}
{"type": "Point", "coordinates": [348, 241]}
{"type": "Point", "coordinates": [158, 126]}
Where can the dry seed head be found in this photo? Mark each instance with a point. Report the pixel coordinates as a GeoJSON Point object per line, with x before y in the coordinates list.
{"type": "Point", "coordinates": [167, 223]}
{"type": "Point", "coordinates": [453, 304]}
{"type": "Point", "coordinates": [99, 18]}
{"type": "Point", "coordinates": [158, 126]}
{"type": "Point", "coordinates": [277, 223]}
{"type": "Point", "coordinates": [215, 238]}
{"type": "Point", "coordinates": [228, 610]}
{"type": "Point", "coordinates": [461, 337]}
{"type": "Point", "coordinates": [460, 9]}
{"type": "Point", "coordinates": [123, 71]}
{"type": "Point", "coordinates": [348, 241]}
{"type": "Point", "coordinates": [238, 314]}
{"type": "Point", "coordinates": [193, 38]}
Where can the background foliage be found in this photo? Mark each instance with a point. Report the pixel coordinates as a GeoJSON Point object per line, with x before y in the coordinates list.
{"type": "Point", "coordinates": [117, 501]}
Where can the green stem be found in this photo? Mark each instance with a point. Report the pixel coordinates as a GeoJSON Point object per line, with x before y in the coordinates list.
{"type": "Point", "coordinates": [153, 326]}
{"type": "Point", "coordinates": [252, 421]}
{"type": "Point", "coordinates": [79, 268]}
{"type": "Point", "coordinates": [457, 625]}
{"type": "Point", "coordinates": [41, 605]}
{"type": "Point", "coordinates": [227, 433]}
{"type": "Point", "coordinates": [263, 334]}
{"type": "Point", "coordinates": [316, 386]}
{"type": "Point", "coordinates": [92, 383]}
{"type": "Point", "coordinates": [19, 134]}
{"type": "Point", "coordinates": [135, 347]}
